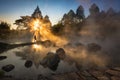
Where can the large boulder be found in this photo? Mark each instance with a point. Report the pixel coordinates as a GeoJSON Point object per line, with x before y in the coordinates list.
{"type": "Point", "coordinates": [51, 61]}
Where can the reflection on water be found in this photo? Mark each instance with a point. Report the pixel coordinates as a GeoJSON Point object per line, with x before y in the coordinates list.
{"type": "Point", "coordinates": [27, 62]}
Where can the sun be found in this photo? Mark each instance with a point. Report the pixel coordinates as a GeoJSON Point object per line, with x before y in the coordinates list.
{"type": "Point", "coordinates": [36, 24]}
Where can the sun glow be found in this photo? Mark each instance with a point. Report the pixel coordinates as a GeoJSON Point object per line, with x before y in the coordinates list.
{"type": "Point", "coordinates": [35, 29]}
{"type": "Point", "coordinates": [42, 31]}
{"type": "Point", "coordinates": [36, 24]}
{"type": "Point", "coordinates": [36, 46]}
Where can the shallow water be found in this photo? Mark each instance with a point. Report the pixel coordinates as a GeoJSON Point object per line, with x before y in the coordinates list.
{"type": "Point", "coordinates": [18, 57]}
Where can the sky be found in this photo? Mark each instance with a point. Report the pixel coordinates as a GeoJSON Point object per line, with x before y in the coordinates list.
{"type": "Point", "coordinates": [10, 10]}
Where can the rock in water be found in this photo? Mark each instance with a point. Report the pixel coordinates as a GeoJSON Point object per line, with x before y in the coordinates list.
{"type": "Point", "coordinates": [3, 57]}
{"type": "Point", "coordinates": [51, 61]}
{"type": "Point", "coordinates": [28, 64]}
{"type": "Point", "coordinates": [8, 68]}
{"type": "Point", "coordinates": [61, 53]}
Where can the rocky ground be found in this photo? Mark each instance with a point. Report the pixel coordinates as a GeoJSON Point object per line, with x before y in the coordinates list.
{"type": "Point", "coordinates": [92, 74]}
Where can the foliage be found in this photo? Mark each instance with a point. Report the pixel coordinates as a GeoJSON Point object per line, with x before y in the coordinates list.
{"type": "Point", "coordinates": [4, 26]}
{"type": "Point", "coordinates": [57, 29]}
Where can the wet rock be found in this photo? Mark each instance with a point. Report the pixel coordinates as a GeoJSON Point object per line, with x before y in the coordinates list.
{"type": "Point", "coordinates": [3, 57]}
{"type": "Point", "coordinates": [51, 61]}
{"type": "Point", "coordinates": [28, 64]}
{"type": "Point", "coordinates": [61, 53]}
{"type": "Point", "coordinates": [8, 68]}
{"type": "Point", "coordinates": [93, 47]}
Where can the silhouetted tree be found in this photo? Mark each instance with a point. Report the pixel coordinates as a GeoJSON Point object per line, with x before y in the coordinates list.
{"type": "Point", "coordinates": [94, 9]}
{"type": "Point", "coordinates": [4, 26]}
{"type": "Point", "coordinates": [111, 12]}
{"type": "Point", "coordinates": [22, 23]}
{"type": "Point", "coordinates": [57, 29]}
{"type": "Point", "coordinates": [80, 12]}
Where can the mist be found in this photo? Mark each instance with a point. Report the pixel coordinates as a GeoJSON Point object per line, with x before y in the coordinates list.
{"type": "Point", "coordinates": [102, 29]}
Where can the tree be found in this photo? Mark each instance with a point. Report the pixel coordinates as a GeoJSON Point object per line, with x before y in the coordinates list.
{"type": "Point", "coordinates": [4, 26]}
{"type": "Point", "coordinates": [80, 12]}
{"type": "Point", "coordinates": [57, 29]}
{"type": "Point", "coordinates": [94, 9]}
